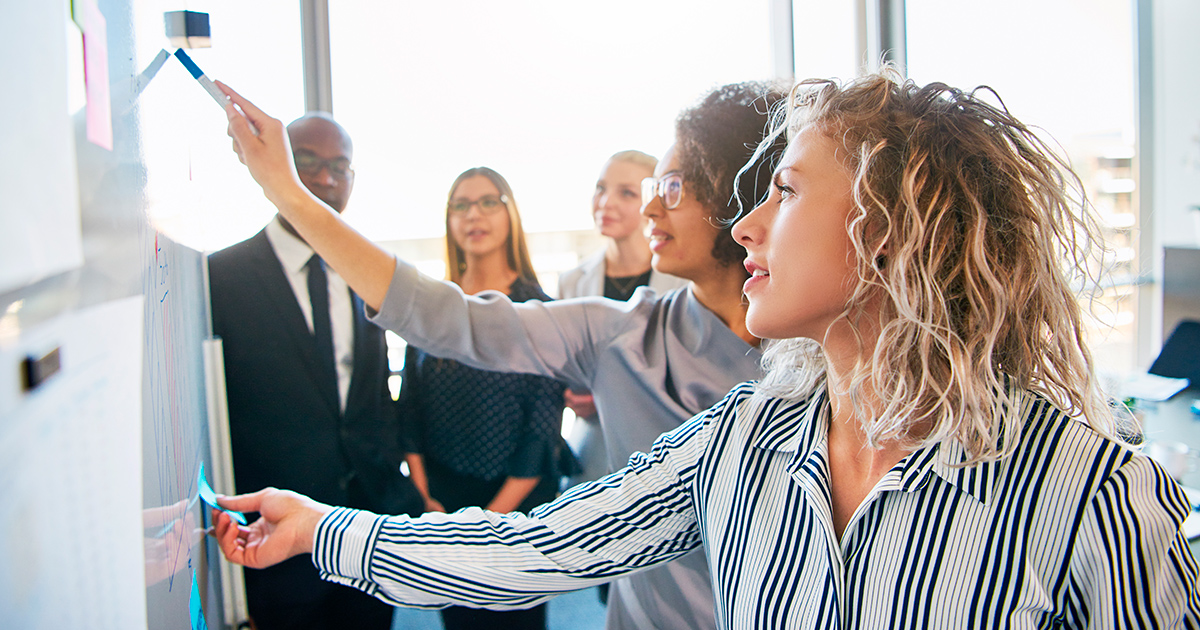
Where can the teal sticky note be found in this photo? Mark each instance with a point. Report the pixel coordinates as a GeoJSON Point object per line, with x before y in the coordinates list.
{"type": "Point", "coordinates": [194, 608]}
{"type": "Point", "coordinates": [208, 496]}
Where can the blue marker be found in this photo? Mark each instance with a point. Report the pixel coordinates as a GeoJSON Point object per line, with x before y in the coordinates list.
{"type": "Point", "coordinates": [207, 83]}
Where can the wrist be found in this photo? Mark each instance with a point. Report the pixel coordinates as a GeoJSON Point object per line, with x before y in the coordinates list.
{"type": "Point", "coordinates": [290, 199]}
{"type": "Point", "coordinates": [310, 518]}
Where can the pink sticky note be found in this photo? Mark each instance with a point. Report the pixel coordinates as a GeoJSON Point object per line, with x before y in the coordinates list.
{"type": "Point", "coordinates": [95, 75]}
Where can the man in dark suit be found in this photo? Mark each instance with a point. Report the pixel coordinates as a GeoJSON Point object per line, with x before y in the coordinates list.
{"type": "Point", "coordinates": [306, 377]}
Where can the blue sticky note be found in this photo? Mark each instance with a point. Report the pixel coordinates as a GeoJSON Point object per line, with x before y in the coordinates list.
{"type": "Point", "coordinates": [194, 608]}
{"type": "Point", "coordinates": [208, 496]}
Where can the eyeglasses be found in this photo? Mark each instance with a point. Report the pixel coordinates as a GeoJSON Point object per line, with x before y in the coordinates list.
{"type": "Point", "coordinates": [669, 190]}
{"type": "Point", "coordinates": [489, 204]}
{"type": "Point", "coordinates": [309, 164]}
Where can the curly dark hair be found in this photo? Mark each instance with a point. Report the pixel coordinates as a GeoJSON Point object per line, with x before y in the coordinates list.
{"type": "Point", "coordinates": [714, 140]}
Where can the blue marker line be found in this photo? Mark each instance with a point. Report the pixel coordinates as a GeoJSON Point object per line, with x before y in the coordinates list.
{"type": "Point", "coordinates": [199, 75]}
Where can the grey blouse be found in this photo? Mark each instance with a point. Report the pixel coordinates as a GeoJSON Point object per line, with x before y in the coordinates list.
{"type": "Point", "coordinates": [652, 363]}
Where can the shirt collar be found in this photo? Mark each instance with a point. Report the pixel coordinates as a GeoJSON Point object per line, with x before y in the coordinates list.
{"type": "Point", "coordinates": [945, 461]}
{"type": "Point", "coordinates": [788, 426]}
{"type": "Point", "coordinates": [292, 252]}
{"type": "Point", "coordinates": [800, 427]}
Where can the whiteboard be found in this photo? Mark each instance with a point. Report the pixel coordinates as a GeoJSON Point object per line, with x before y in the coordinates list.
{"type": "Point", "coordinates": [108, 449]}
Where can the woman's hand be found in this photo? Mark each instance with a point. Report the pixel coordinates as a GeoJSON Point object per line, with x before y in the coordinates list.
{"type": "Point", "coordinates": [433, 505]}
{"type": "Point", "coordinates": [285, 528]}
{"type": "Point", "coordinates": [261, 143]}
{"type": "Point", "coordinates": [367, 267]}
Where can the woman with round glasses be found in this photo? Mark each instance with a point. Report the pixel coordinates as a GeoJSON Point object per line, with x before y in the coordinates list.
{"type": "Point", "coordinates": [475, 437]}
{"type": "Point", "coordinates": [651, 363]}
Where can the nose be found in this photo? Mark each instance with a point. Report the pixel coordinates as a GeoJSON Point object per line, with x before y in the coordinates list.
{"type": "Point", "coordinates": [653, 208]}
{"type": "Point", "coordinates": [474, 211]}
{"type": "Point", "coordinates": [749, 230]}
{"type": "Point", "coordinates": [324, 176]}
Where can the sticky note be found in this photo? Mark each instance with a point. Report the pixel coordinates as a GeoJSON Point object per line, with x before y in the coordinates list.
{"type": "Point", "coordinates": [194, 608]}
{"type": "Point", "coordinates": [95, 75]}
{"type": "Point", "coordinates": [208, 496]}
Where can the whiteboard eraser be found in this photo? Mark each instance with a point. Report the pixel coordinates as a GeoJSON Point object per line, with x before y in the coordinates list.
{"type": "Point", "coordinates": [188, 29]}
{"type": "Point", "coordinates": [36, 370]}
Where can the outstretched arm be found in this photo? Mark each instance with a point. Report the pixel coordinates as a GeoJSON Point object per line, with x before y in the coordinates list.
{"type": "Point", "coordinates": [557, 343]}
{"type": "Point", "coordinates": [634, 519]}
{"type": "Point", "coordinates": [366, 267]}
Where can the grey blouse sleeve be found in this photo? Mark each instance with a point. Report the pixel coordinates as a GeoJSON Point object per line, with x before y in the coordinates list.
{"type": "Point", "coordinates": [488, 331]}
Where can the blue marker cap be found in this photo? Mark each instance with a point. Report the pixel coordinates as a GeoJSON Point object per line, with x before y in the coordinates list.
{"type": "Point", "coordinates": [189, 64]}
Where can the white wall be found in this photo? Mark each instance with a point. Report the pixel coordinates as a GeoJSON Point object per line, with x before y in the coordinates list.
{"type": "Point", "coordinates": [1177, 113]}
{"type": "Point", "coordinates": [1169, 84]}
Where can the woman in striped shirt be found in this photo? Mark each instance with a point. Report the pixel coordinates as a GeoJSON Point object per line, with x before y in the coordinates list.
{"type": "Point", "coordinates": [928, 449]}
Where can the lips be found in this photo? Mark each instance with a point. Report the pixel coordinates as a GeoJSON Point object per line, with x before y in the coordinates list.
{"type": "Point", "coordinates": [758, 276]}
{"type": "Point", "coordinates": [658, 239]}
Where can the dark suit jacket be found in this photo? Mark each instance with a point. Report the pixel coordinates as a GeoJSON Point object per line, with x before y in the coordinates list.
{"type": "Point", "coordinates": [285, 431]}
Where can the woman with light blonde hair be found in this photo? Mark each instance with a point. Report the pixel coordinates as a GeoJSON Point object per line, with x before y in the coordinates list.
{"type": "Point", "coordinates": [614, 272]}
{"type": "Point", "coordinates": [928, 450]}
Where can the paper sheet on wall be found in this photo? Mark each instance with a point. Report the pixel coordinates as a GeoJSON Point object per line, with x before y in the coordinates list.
{"type": "Point", "coordinates": [40, 227]}
{"type": "Point", "coordinates": [70, 467]}
{"type": "Point", "coordinates": [95, 64]}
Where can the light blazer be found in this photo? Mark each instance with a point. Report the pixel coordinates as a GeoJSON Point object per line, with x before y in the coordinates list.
{"type": "Point", "coordinates": [588, 279]}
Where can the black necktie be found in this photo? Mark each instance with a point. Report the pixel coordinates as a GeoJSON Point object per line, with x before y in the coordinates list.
{"type": "Point", "coordinates": [318, 294]}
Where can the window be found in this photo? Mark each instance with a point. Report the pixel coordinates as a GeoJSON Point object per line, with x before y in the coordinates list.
{"type": "Point", "coordinates": [543, 92]}
{"type": "Point", "coordinates": [197, 191]}
{"type": "Point", "coordinates": [1065, 66]}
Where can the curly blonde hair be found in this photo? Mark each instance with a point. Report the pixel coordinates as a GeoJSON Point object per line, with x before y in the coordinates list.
{"type": "Point", "coordinates": [970, 230]}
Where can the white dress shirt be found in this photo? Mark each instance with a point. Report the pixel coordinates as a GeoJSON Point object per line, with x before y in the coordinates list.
{"type": "Point", "coordinates": [294, 254]}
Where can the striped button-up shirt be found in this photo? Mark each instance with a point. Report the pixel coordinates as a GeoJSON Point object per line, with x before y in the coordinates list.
{"type": "Point", "coordinates": [1071, 530]}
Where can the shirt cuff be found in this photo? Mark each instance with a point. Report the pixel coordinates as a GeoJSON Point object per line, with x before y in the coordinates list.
{"type": "Point", "coordinates": [345, 542]}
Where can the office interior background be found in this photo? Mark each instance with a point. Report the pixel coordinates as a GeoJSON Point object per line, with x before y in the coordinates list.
{"type": "Point", "coordinates": [544, 91]}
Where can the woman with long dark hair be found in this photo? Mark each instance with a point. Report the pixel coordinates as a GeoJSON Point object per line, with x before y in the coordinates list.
{"type": "Point", "coordinates": [479, 437]}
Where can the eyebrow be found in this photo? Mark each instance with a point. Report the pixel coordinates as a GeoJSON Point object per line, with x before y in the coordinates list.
{"type": "Point", "coordinates": [340, 156]}
{"type": "Point", "coordinates": [778, 174]}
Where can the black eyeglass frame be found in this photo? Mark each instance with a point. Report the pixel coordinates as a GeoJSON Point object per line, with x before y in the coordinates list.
{"type": "Point", "coordinates": [488, 205]}
{"type": "Point", "coordinates": [309, 164]}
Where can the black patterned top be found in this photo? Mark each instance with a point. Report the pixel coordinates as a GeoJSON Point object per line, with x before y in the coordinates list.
{"type": "Point", "coordinates": [481, 423]}
{"type": "Point", "coordinates": [622, 288]}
